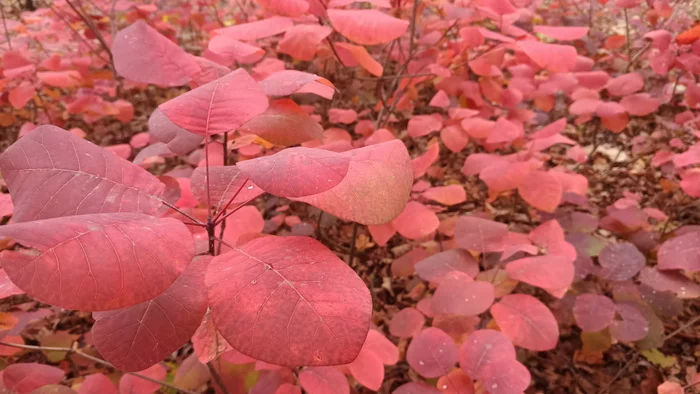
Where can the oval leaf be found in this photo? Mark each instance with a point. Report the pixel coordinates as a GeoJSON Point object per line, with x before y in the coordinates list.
{"type": "Point", "coordinates": [142, 54]}
{"type": "Point", "coordinates": [226, 183]}
{"type": "Point", "coordinates": [437, 266]}
{"type": "Point", "coordinates": [541, 190]}
{"type": "Point", "coordinates": [459, 295]}
{"type": "Point", "coordinates": [323, 380]}
{"type": "Point", "coordinates": [480, 235]}
{"type": "Point", "coordinates": [621, 261]}
{"type": "Point", "coordinates": [27, 377]}
{"type": "Point", "coordinates": [682, 253]}
{"type": "Point", "coordinates": [367, 27]}
{"type": "Point", "coordinates": [284, 123]}
{"type": "Point", "coordinates": [432, 353]}
{"type": "Point", "coordinates": [289, 301]}
{"type": "Point", "coordinates": [177, 139]}
{"type": "Point", "coordinates": [547, 272]}
{"type": "Point", "coordinates": [219, 106]}
{"type": "Point", "coordinates": [526, 321]}
{"type": "Point", "coordinates": [483, 348]}
{"type": "Point", "coordinates": [51, 173]}
{"type": "Point", "coordinates": [98, 262]}
{"type": "Point", "coordinates": [406, 323]}
{"type": "Point", "coordinates": [137, 337]}
{"type": "Point", "coordinates": [593, 312]}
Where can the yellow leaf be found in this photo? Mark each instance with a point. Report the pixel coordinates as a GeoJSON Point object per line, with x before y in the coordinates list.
{"type": "Point", "coordinates": [656, 357]}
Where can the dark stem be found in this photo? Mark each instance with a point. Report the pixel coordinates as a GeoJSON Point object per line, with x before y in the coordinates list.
{"type": "Point", "coordinates": [217, 378]}
{"type": "Point", "coordinates": [352, 244]}
{"type": "Point", "coordinates": [211, 232]}
{"type": "Point", "coordinates": [185, 214]}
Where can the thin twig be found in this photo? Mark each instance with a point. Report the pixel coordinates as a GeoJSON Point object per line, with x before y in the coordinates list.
{"type": "Point", "coordinates": [79, 352]}
{"type": "Point", "coordinates": [352, 244]}
{"type": "Point", "coordinates": [217, 378]}
{"type": "Point", "coordinates": [185, 214]}
{"type": "Point", "coordinates": [94, 30]}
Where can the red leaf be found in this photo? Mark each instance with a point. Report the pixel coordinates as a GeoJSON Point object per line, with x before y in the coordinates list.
{"type": "Point", "coordinates": [226, 50]}
{"type": "Point", "coordinates": [323, 380]}
{"type": "Point", "coordinates": [301, 41]}
{"type": "Point", "coordinates": [633, 326]}
{"type": "Point", "coordinates": [49, 158]}
{"type": "Point", "coordinates": [515, 380]}
{"type": "Point", "coordinates": [416, 221]}
{"type": "Point", "coordinates": [367, 27]}
{"type": "Point", "coordinates": [612, 115]}
{"type": "Point", "coordinates": [253, 31]}
{"type": "Point", "coordinates": [367, 369]}
{"type": "Point", "coordinates": [225, 182]}
{"type": "Point", "coordinates": [550, 130]}
{"type": "Point", "coordinates": [375, 189]}
{"type": "Point", "coordinates": [292, 286]}
{"type": "Point", "coordinates": [483, 348]}
{"type": "Point", "coordinates": [416, 388]}
{"type": "Point", "coordinates": [178, 140]}
{"type": "Point", "coordinates": [381, 234]}
{"type": "Point", "coordinates": [142, 54]}
{"type": "Point", "coordinates": [593, 312]}
{"type": "Point", "coordinates": [446, 195]}
{"type": "Point", "coordinates": [440, 100]}
{"type": "Point", "coordinates": [107, 261]}
{"type": "Point", "coordinates": [552, 57]}
{"type": "Point", "coordinates": [640, 104]}
{"type": "Point", "coordinates": [477, 234]}
{"type": "Point", "coordinates": [344, 116]}
{"type": "Point", "coordinates": [403, 266]}
{"type": "Point", "coordinates": [422, 125]}
{"type": "Point", "coordinates": [562, 33]}
{"type": "Point", "coordinates": [60, 79]}
{"type": "Point", "coordinates": [681, 253]}
{"type": "Point", "coordinates": [421, 163]}
{"type": "Point", "coordinates": [27, 377]}
{"type": "Point", "coordinates": [547, 272]}
{"type": "Point", "coordinates": [218, 106]}
{"type": "Point", "coordinates": [97, 383]}
{"type": "Point", "coordinates": [432, 353]}
{"type": "Point", "coordinates": [137, 337]}
{"type": "Point", "coordinates": [621, 261]}
{"type": "Point", "coordinates": [437, 266]}
{"type": "Point", "coordinates": [625, 84]}
{"type": "Point", "coordinates": [456, 382]}
{"type": "Point", "coordinates": [454, 138]}
{"type": "Point", "coordinates": [541, 190]}
{"type": "Point", "coordinates": [208, 344]}
{"type": "Point", "coordinates": [684, 287]}
{"type": "Point", "coordinates": [460, 295]}
{"type": "Point", "coordinates": [526, 321]}
{"type": "Point", "coordinates": [383, 348]}
{"type": "Point", "coordinates": [287, 388]}
{"type": "Point", "coordinates": [130, 384]}
{"type": "Point", "coordinates": [298, 172]}
{"type": "Point", "coordinates": [406, 323]}
{"type": "Point", "coordinates": [671, 387]}
{"type": "Point", "coordinates": [21, 95]}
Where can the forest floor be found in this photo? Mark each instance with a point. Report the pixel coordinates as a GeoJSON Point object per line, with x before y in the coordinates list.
{"type": "Point", "coordinates": [611, 170]}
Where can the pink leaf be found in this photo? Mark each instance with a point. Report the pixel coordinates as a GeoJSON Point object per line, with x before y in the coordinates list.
{"type": "Point", "coordinates": [292, 286]}
{"type": "Point", "coordinates": [670, 388]}
{"type": "Point", "coordinates": [298, 172]}
{"type": "Point", "coordinates": [640, 104]}
{"type": "Point", "coordinates": [477, 127]}
{"type": "Point", "coordinates": [253, 31]}
{"type": "Point", "coordinates": [218, 106]}
{"type": "Point", "coordinates": [227, 50]}
{"type": "Point", "coordinates": [404, 265]}
{"type": "Point", "coordinates": [595, 80]}
{"type": "Point", "coordinates": [97, 383]}
{"type": "Point", "coordinates": [142, 54]}
{"type": "Point", "coordinates": [421, 163]}
{"type": "Point", "coordinates": [440, 100]}
{"type": "Point", "coordinates": [460, 295]}
{"type": "Point", "coordinates": [6, 205]}
{"type": "Point", "coordinates": [479, 234]}
{"type": "Point", "coordinates": [283, 83]}
{"type": "Point", "coordinates": [483, 348]}
{"type": "Point", "coordinates": [323, 380]}
{"type": "Point", "coordinates": [7, 288]}
{"type": "Point", "coordinates": [245, 220]}
{"type": "Point", "coordinates": [547, 272]}
{"type": "Point", "coordinates": [500, 7]}
{"type": "Point", "coordinates": [454, 138]}
{"type": "Point", "coordinates": [287, 388]}
{"type": "Point", "coordinates": [552, 57]}
{"type": "Point", "coordinates": [456, 382]}
{"type": "Point", "coordinates": [344, 116]}
{"type": "Point", "coordinates": [21, 95]}
{"type": "Point", "coordinates": [432, 353]}
{"type": "Point", "coordinates": [178, 140]}
{"type": "Point", "coordinates": [515, 380]}
{"type": "Point", "coordinates": [60, 79]}
{"type": "Point", "coordinates": [27, 377]}
{"type": "Point", "coordinates": [562, 33]}
{"type": "Point", "coordinates": [680, 253]}
{"type": "Point", "coordinates": [130, 384]}
{"type": "Point", "coordinates": [367, 27]}
{"type": "Point", "coordinates": [383, 348]}
{"type": "Point", "coordinates": [660, 39]}
{"type": "Point", "coordinates": [437, 266]}
{"type": "Point", "coordinates": [446, 195]}
{"type": "Point", "coordinates": [593, 312]}
{"type": "Point", "coordinates": [375, 189]}
{"type": "Point", "coordinates": [225, 182]}
{"type": "Point", "coordinates": [416, 221]}
{"type": "Point", "coordinates": [208, 344]}
{"type": "Point", "coordinates": [625, 84]}
{"type": "Point", "coordinates": [526, 321]}
{"type": "Point", "coordinates": [107, 261]}
{"type": "Point", "coordinates": [367, 369]}
{"type": "Point", "coordinates": [613, 116]}
{"type": "Point", "coordinates": [632, 327]}
{"type": "Point", "coordinates": [343, 3]}
{"type": "Point", "coordinates": [422, 125]}
{"type": "Point", "coordinates": [381, 234]}
{"type": "Point", "coordinates": [541, 190]}
{"type": "Point", "coordinates": [550, 130]}
{"type": "Point", "coordinates": [684, 287]}
{"type": "Point", "coordinates": [406, 323]}
{"type": "Point", "coordinates": [301, 41]}
{"type": "Point", "coordinates": [137, 337]}
{"type": "Point", "coordinates": [416, 388]}
{"type": "Point", "coordinates": [49, 159]}
{"type": "Point", "coordinates": [293, 8]}
{"type": "Point", "coordinates": [191, 374]}
{"type": "Point", "coordinates": [621, 261]}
